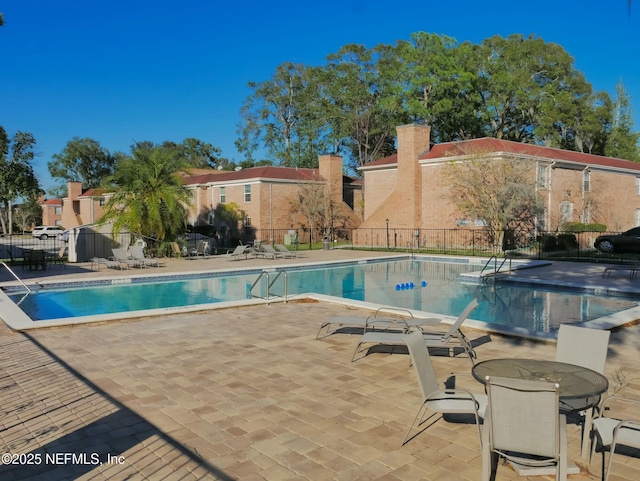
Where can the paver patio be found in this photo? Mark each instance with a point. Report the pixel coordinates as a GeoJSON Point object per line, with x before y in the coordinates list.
{"type": "Point", "coordinates": [247, 394]}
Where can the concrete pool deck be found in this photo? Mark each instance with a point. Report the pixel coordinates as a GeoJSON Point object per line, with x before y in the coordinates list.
{"type": "Point", "coordinates": [249, 394]}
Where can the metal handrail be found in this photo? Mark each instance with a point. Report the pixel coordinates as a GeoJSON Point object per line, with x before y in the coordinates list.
{"type": "Point", "coordinates": [496, 268]}
{"type": "Point", "coordinates": [14, 275]}
{"type": "Point", "coordinates": [270, 284]}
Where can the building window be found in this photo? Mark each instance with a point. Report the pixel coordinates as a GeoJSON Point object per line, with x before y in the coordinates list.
{"type": "Point", "coordinates": [566, 211]}
{"type": "Point", "coordinates": [102, 202]}
{"type": "Point", "coordinates": [247, 193]}
{"type": "Point", "coordinates": [541, 221]}
{"type": "Point", "coordinates": [57, 211]}
{"type": "Point", "coordinates": [247, 225]}
{"type": "Point", "coordinates": [586, 216]}
{"type": "Point", "coordinates": [638, 185]}
{"type": "Point", "coordinates": [637, 218]}
{"type": "Point", "coordinates": [586, 180]}
{"type": "Point", "coordinates": [543, 177]}
{"type": "Point", "coordinates": [223, 195]}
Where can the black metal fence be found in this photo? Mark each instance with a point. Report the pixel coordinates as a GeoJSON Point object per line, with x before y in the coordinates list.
{"type": "Point", "coordinates": [571, 246]}
{"type": "Point", "coordinates": [470, 242]}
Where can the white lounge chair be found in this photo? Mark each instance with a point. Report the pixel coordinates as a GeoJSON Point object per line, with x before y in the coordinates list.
{"type": "Point", "coordinates": [101, 261]}
{"type": "Point", "coordinates": [266, 251]}
{"type": "Point", "coordinates": [138, 254]}
{"type": "Point", "coordinates": [120, 255]}
{"type": "Point", "coordinates": [286, 253]}
{"type": "Point", "coordinates": [201, 250]}
{"type": "Point", "coordinates": [241, 250]}
{"type": "Point", "coordinates": [451, 340]}
{"type": "Point", "coordinates": [632, 268]}
{"type": "Point", "coordinates": [436, 399]}
{"type": "Point", "coordinates": [382, 316]}
{"type": "Point", "coordinates": [522, 424]}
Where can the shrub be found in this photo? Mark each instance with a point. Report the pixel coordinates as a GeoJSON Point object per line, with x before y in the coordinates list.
{"type": "Point", "coordinates": [548, 242]}
{"type": "Point", "coordinates": [567, 242]}
{"type": "Point", "coordinates": [577, 227]}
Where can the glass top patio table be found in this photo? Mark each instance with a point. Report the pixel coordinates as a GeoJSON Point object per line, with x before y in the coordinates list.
{"type": "Point", "coordinates": [576, 382]}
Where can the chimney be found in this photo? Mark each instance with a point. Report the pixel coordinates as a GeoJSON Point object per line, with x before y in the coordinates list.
{"type": "Point", "coordinates": [74, 190]}
{"type": "Point", "coordinates": [413, 142]}
{"type": "Point", "coordinates": [330, 168]}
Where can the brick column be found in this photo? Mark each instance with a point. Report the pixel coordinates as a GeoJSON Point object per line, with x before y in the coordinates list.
{"type": "Point", "coordinates": [413, 141]}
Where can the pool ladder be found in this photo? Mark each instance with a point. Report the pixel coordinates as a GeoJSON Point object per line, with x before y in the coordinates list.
{"type": "Point", "coordinates": [496, 268]}
{"type": "Point", "coordinates": [270, 284]}
{"type": "Point", "coordinates": [14, 275]}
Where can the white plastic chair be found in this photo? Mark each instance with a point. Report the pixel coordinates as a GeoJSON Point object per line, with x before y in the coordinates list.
{"type": "Point", "coordinates": [442, 401]}
{"type": "Point", "coordinates": [523, 425]}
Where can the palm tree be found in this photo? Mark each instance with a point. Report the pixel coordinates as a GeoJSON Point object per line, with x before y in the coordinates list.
{"type": "Point", "coordinates": [149, 197]}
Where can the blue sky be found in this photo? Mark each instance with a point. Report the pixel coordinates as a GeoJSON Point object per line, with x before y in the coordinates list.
{"type": "Point", "coordinates": [124, 71]}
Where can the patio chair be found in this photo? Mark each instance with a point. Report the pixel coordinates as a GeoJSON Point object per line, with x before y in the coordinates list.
{"type": "Point", "coordinates": [523, 425]}
{"type": "Point", "coordinates": [587, 348]}
{"type": "Point", "coordinates": [286, 253]}
{"type": "Point", "coordinates": [101, 261]}
{"type": "Point", "coordinates": [58, 258]}
{"type": "Point", "coordinates": [378, 319]}
{"type": "Point", "coordinates": [266, 251]}
{"type": "Point", "coordinates": [201, 250]}
{"type": "Point", "coordinates": [610, 433]}
{"type": "Point", "coordinates": [175, 249]}
{"type": "Point", "coordinates": [450, 340]}
{"type": "Point", "coordinates": [632, 268]}
{"type": "Point", "coordinates": [241, 250]}
{"type": "Point", "coordinates": [138, 254]}
{"type": "Point", "coordinates": [120, 255]}
{"type": "Point", "coordinates": [440, 401]}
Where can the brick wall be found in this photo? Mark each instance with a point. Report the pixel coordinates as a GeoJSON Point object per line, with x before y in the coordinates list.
{"type": "Point", "coordinates": [419, 197]}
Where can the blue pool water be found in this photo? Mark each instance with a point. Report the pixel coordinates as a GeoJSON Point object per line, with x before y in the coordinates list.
{"type": "Point", "coordinates": [391, 283]}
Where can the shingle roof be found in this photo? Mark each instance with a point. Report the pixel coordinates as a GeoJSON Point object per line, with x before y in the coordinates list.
{"type": "Point", "coordinates": [496, 145]}
{"type": "Point", "coordinates": [487, 144]}
{"type": "Point", "coordinates": [389, 160]}
{"type": "Point", "coordinates": [93, 193]}
{"type": "Point", "coordinates": [52, 202]}
{"type": "Point", "coordinates": [263, 172]}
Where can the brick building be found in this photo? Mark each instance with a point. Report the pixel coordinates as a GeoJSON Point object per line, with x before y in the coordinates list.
{"type": "Point", "coordinates": [51, 211]}
{"type": "Point", "coordinates": [266, 196]}
{"type": "Point", "coordinates": [408, 189]}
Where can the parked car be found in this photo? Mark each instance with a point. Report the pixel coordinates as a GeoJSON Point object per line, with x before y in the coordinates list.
{"type": "Point", "coordinates": [45, 231]}
{"type": "Point", "coordinates": [628, 241]}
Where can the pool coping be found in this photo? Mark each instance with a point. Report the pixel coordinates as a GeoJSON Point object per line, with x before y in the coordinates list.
{"type": "Point", "coordinates": [16, 319]}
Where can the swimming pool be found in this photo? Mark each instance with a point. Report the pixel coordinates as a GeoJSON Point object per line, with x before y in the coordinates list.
{"type": "Point", "coordinates": [423, 285]}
